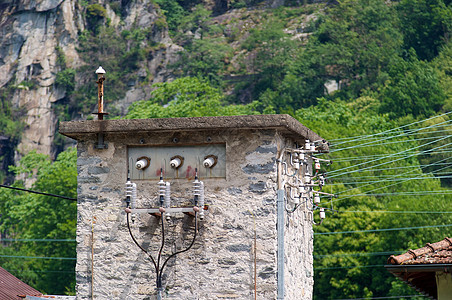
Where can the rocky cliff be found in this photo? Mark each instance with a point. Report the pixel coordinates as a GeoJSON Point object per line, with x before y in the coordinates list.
{"type": "Point", "coordinates": [35, 34]}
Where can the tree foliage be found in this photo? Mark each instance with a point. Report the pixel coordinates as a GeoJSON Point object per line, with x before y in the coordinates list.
{"type": "Point", "coordinates": [26, 216]}
{"type": "Point", "coordinates": [413, 88]}
{"type": "Point", "coordinates": [426, 25]}
{"type": "Point", "coordinates": [371, 174]}
{"type": "Point", "coordinates": [187, 97]}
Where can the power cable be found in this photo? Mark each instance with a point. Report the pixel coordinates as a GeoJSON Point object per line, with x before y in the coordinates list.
{"type": "Point", "coordinates": [35, 192]}
{"type": "Point", "coordinates": [348, 267]}
{"type": "Point", "coordinates": [409, 133]}
{"type": "Point", "coordinates": [395, 212]}
{"type": "Point", "coordinates": [379, 140]}
{"type": "Point", "coordinates": [408, 167]}
{"type": "Point", "coordinates": [394, 179]}
{"type": "Point", "coordinates": [376, 189]}
{"type": "Point", "coordinates": [38, 240]}
{"type": "Point", "coordinates": [386, 297]}
{"type": "Point", "coordinates": [359, 137]}
{"type": "Point", "coordinates": [358, 254]}
{"type": "Point", "coordinates": [38, 257]}
{"type": "Point", "coordinates": [388, 156]}
{"type": "Point", "coordinates": [420, 193]}
{"type": "Point", "coordinates": [381, 230]}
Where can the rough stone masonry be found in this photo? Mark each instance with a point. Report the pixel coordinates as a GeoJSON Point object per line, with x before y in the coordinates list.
{"type": "Point", "coordinates": [234, 255]}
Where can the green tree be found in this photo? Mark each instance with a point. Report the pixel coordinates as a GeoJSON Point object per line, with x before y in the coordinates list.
{"type": "Point", "coordinates": [187, 97]}
{"type": "Point", "coordinates": [370, 172]}
{"type": "Point", "coordinates": [272, 51]}
{"type": "Point", "coordinates": [426, 25]}
{"type": "Point", "coordinates": [173, 12]}
{"type": "Point", "coordinates": [354, 44]}
{"type": "Point", "coordinates": [413, 88]}
{"type": "Point", "coordinates": [31, 216]}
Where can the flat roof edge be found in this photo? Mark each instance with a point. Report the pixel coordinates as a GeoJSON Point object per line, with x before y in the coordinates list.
{"type": "Point", "coordinates": [419, 268]}
{"type": "Point", "coordinates": [75, 129]}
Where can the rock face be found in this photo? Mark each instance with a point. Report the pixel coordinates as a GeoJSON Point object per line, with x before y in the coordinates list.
{"type": "Point", "coordinates": [32, 33]}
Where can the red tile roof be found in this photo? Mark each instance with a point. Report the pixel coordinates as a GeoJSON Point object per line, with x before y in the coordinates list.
{"type": "Point", "coordinates": [11, 288]}
{"type": "Point", "coordinates": [436, 253]}
{"type": "Point", "coordinates": [417, 268]}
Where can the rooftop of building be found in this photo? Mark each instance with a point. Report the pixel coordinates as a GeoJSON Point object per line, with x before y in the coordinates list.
{"type": "Point", "coordinates": [418, 268]}
{"type": "Point", "coordinates": [285, 123]}
{"type": "Point", "coordinates": [12, 288]}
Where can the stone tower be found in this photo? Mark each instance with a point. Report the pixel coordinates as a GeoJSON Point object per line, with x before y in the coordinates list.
{"type": "Point", "coordinates": [246, 235]}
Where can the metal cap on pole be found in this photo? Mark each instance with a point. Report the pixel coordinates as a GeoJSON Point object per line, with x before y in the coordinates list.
{"type": "Point", "coordinates": [100, 93]}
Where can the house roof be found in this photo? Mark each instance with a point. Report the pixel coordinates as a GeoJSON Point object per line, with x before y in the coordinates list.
{"type": "Point", "coordinates": [436, 253]}
{"type": "Point", "coordinates": [418, 267]}
{"type": "Point", "coordinates": [12, 288]}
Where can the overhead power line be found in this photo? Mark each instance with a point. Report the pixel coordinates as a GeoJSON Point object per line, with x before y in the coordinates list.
{"type": "Point", "coordinates": [35, 192]}
{"type": "Point", "coordinates": [360, 137]}
{"type": "Point", "coordinates": [387, 297]}
{"type": "Point", "coordinates": [395, 212]}
{"type": "Point", "coordinates": [38, 257]}
{"type": "Point", "coordinates": [381, 230]}
{"type": "Point", "coordinates": [403, 134]}
{"type": "Point", "coordinates": [37, 240]}
{"type": "Point", "coordinates": [358, 254]}
{"type": "Point", "coordinates": [378, 188]}
{"type": "Point", "coordinates": [388, 156]}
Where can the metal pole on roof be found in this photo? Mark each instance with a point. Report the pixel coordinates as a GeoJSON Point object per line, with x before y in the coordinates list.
{"type": "Point", "coordinates": [280, 241]}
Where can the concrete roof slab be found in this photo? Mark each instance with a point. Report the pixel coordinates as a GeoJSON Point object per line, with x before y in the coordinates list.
{"type": "Point", "coordinates": [285, 123]}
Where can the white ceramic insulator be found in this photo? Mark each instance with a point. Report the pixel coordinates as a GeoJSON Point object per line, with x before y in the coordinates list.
{"type": "Point", "coordinates": [129, 189]}
{"type": "Point", "coordinates": [133, 202]}
{"type": "Point", "coordinates": [141, 164]}
{"type": "Point", "coordinates": [301, 190]}
{"type": "Point", "coordinates": [316, 199]}
{"type": "Point", "coordinates": [197, 188]}
{"type": "Point", "coordinates": [312, 147]}
{"type": "Point", "coordinates": [307, 145]}
{"type": "Point", "coordinates": [167, 202]}
{"type": "Point", "coordinates": [201, 200]}
{"type": "Point", "coordinates": [162, 188]}
{"type": "Point", "coordinates": [322, 213]}
{"type": "Point", "coordinates": [296, 200]}
{"type": "Point", "coordinates": [209, 162]}
{"type": "Point", "coordinates": [307, 179]}
{"type": "Point", "coordinates": [296, 165]}
{"type": "Point", "coordinates": [175, 163]}
{"type": "Point", "coordinates": [317, 165]}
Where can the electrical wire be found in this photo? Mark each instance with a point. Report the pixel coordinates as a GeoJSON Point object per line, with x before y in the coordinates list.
{"type": "Point", "coordinates": [35, 192]}
{"type": "Point", "coordinates": [395, 212]}
{"type": "Point", "coordinates": [38, 240]}
{"type": "Point", "coordinates": [373, 190]}
{"type": "Point", "coordinates": [386, 297]}
{"type": "Point", "coordinates": [409, 133]}
{"type": "Point", "coordinates": [360, 137]}
{"type": "Point", "coordinates": [348, 267]}
{"type": "Point", "coordinates": [393, 179]}
{"type": "Point", "coordinates": [38, 257]}
{"type": "Point", "coordinates": [378, 142]}
{"type": "Point", "coordinates": [358, 254]}
{"type": "Point", "coordinates": [158, 269]}
{"type": "Point", "coordinates": [186, 249]}
{"type": "Point", "coordinates": [364, 157]}
{"type": "Point", "coordinates": [381, 230]}
{"type": "Point", "coordinates": [388, 156]}
{"type": "Point", "coordinates": [421, 193]}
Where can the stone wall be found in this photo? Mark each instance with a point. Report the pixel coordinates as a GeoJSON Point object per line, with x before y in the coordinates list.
{"type": "Point", "coordinates": [237, 235]}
